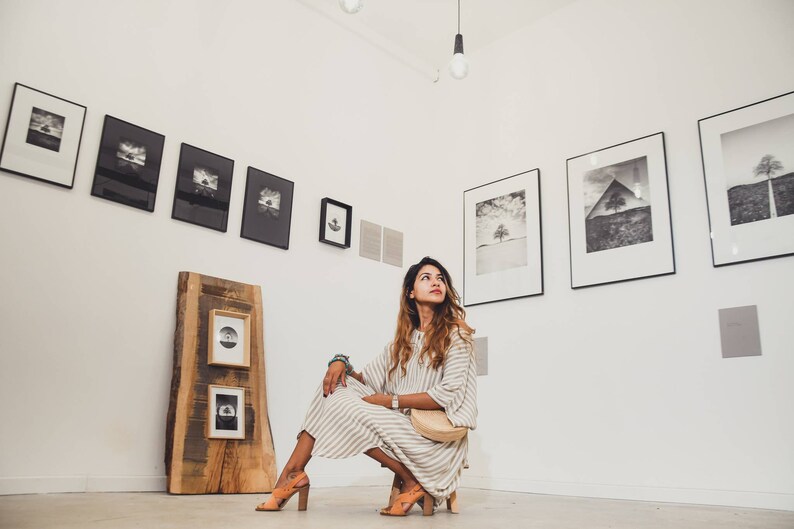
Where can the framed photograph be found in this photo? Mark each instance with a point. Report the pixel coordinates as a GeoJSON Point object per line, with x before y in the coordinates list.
{"type": "Point", "coordinates": [226, 412]}
{"type": "Point", "coordinates": [748, 165]}
{"type": "Point", "coordinates": [619, 213]}
{"type": "Point", "coordinates": [335, 223]}
{"type": "Point", "coordinates": [128, 164]}
{"type": "Point", "coordinates": [203, 188]}
{"type": "Point", "coordinates": [502, 247]}
{"type": "Point", "coordinates": [42, 137]}
{"type": "Point", "coordinates": [267, 212]}
{"type": "Point", "coordinates": [229, 339]}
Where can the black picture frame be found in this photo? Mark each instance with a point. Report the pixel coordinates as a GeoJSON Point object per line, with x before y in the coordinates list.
{"type": "Point", "coordinates": [635, 243]}
{"type": "Point", "coordinates": [203, 188]}
{"type": "Point", "coordinates": [751, 218]}
{"type": "Point", "coordinates": [508, 209]}
{"type": "Point", "coordinates": [128, 164]}
{"type": "Point", "coordinates": [267, 210]}
{"type": "Point", "coordinates": [337, 230]}
{"type": "Point", "coordinates": [42, 136]}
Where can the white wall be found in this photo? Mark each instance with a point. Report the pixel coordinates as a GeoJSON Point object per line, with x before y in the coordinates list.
{"type": "Point", "coordinates": [87, 308]}
{"type": "Point", "coordinates": [620, 390]}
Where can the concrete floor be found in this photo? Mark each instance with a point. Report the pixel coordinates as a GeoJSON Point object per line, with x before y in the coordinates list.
{"type": "Point", "coordinates": [354, 507]}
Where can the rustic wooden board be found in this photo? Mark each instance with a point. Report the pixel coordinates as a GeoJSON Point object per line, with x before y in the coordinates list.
{"type": "Point", "coordinates": [194, 463]}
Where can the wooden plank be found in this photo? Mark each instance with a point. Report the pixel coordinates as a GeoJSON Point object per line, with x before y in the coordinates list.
{"type": "Point", "coordinates": [196, 464]}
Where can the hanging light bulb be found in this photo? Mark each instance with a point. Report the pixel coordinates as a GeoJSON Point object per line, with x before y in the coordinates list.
{"type": "Point", "coordinates": [351, 7]}
{"type": "Point", "coordinates": [459, 65]}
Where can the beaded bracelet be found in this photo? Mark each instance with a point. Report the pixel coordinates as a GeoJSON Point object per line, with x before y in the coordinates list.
{"type": "Point", "coordinates": [345, 359]}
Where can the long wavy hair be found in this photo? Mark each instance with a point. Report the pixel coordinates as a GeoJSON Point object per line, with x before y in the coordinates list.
{"type": "Point", "coordinates": [448, 317]}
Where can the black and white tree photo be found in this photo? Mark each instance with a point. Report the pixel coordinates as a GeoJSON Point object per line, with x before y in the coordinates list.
{"type": "Point", "coordinates": [501, 236]}
{"type": "Point", "coordinates": [759, 170]}
{"type": "Point", "coordinates": [617, 203]}
{"type": "Point", "coordinates": [45, 129]}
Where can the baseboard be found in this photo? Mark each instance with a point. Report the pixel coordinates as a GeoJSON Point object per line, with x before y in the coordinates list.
{"type": "Point", "coordinates": [725, 498]}
{"type": "Point", "coordinates": [52, 484]}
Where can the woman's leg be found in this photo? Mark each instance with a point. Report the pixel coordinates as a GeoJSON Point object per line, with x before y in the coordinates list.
{"type": "Point", "coordinates": [297, 461]}
{"type": "Point", "coordinates": [408, 479]}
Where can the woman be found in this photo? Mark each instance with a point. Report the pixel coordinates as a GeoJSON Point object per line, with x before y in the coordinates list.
{"type": "Point", "coordinates": [428, 366]}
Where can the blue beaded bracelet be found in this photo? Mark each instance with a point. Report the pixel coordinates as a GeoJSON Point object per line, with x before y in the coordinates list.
{"type": "Point", "coordinates": [346, 360]}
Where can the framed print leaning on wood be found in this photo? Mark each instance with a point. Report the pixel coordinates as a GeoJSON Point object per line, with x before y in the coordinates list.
{"type": "Point", "coordinates": [229, 339]}
{"type": "Point", "coordinates": [502, 247]}
{"type": "Point", "coordinates": [619, 213]}
{"type": "Point", "coordinates": [748, 166]}
{"type": "Point", "coordinates": [42, 138]}
{"type": "Point", "coordinates": [225, 412]}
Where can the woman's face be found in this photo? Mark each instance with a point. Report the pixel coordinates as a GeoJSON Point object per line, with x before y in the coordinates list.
{"type": "Point", "coordinates": [429, 287]}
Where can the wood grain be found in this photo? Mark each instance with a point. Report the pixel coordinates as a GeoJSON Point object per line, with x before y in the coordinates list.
{"type": "Point", "coordinates": [194, 463]}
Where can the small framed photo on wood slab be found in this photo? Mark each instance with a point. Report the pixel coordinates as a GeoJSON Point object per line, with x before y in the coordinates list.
{"type": "Point", "coordinates": [619, 213]}
{"type": "Point", "coordinates": [748, 164]}
{"type": "Point", "coordinates": [203, 188]}
{"type": "Point", "coordinates": [229, 339]}
{"type": "Point", "coordinates": [226, 412]}
{"type": "Point", "coordinates": [335, 223]}
{"type": "Point", "coordinates": [128, 164]}
{"type": "Point", "coordinates": [42, 138]}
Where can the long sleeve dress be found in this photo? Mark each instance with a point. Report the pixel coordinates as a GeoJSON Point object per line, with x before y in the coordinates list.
{"type": "Point", "coordinates": [344, 425]}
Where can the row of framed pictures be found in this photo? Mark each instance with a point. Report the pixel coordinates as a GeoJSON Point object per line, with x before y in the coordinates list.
{"type": "Point", "coordinates": [619, 216]}
{"type": "Point", "coordinates": [42, 141]}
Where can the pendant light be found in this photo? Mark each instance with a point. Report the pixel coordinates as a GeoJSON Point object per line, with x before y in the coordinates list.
{"type": "Point", "coordinates": [459, 65]}
{"type": "Point", "coordinates": [351, 7]}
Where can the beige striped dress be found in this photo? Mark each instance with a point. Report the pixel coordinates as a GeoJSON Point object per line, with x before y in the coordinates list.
{"type": "Point", "coordinates": [343, 425]}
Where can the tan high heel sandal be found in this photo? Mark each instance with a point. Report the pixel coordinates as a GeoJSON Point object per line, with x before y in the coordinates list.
{"type": "Point", "coordinates": [412, 496]}
{"type": "Point", "coordinates": [285, 493]}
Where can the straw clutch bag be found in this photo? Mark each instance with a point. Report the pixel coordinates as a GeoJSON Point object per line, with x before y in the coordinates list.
{"type": "Point", "coordinates": [435, 425]}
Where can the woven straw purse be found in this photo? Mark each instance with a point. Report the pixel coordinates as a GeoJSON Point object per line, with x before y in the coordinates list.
{"type": "Point", "coordinates": [434, 425]}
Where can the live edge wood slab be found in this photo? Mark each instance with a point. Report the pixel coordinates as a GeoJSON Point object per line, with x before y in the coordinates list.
{"type": "Point", "coordinates": [194, 463]}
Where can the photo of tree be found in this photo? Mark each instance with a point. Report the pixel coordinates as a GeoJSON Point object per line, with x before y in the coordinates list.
{"type": "Point", "coordinates": [205, 180]}
{"type": "Point", "coordinates": [759, 170]}
{"type": "Point", "coordinates": [269, 202]}
{"type": "Point", "coordinates": [617, 204]}
{"type": "Point", "coordinates": [45, 129]}
{"type": "Point", "coordinates": [501, 233]}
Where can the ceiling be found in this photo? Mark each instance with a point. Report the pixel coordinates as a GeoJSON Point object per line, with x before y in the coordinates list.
{"type": "Point", "coordinates": [421, 33]}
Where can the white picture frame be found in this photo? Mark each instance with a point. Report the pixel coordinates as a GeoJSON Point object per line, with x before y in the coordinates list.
{"type": "Point", "coordinates": [225, 412]}
{"type": "Point", "coordinates": [229, 341]}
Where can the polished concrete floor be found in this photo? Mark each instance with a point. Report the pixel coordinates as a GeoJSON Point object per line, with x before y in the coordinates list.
{"type": "Point", "coordinates": [355, 507]}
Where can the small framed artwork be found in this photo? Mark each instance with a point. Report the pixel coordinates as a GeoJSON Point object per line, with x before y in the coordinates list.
{"type": "Point", "coordinates": [203, 188]}
{"type": "Point", "coordinates": [229, 339]}
{"type": "Point", "coordinates": [128, 164]}
{"type": "Point", "coordinates": [226, 412]}
{"type": "Point", "coordinates": [267, 212]}
{"type": "Point", "coordinates": [748, 165]}
{"type": "Point", "coordinates": [42, 137]}
{"type": "Point", "coordinates": [335, 223]}
{"type": "Point", "coordinates": [619, 213]}
{"type": "Point", "coordinates": [502, 247]}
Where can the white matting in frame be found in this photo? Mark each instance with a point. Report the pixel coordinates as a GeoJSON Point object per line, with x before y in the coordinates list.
{"type": "Point", "coordinates": [619, 213]}
{"type": "Point", "coordinates": [229, 338]}
{"type": "Point", "coordinates": [502, 247]}
{"type": "Point", "coordinates": [42, 137]}
{"type": "Point", "coordinates": [226, 412]}
{"type": "Point", "coordinates": [745, 225]}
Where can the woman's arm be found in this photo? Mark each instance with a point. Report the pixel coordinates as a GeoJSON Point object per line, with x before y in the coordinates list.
{"type": "Point", "coordinates": [419, 401]}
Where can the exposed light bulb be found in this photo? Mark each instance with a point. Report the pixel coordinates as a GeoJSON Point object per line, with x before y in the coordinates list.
{"type": "Point", "coordinates": [351, 7]}
{"type": "Point", "coordinates": [459, 65]}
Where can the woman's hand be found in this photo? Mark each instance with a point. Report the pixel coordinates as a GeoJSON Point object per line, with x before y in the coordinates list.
{"type": "Point", "coordinates": [378, 399]}
{"type": "Point", "coordinates": [334, 375]}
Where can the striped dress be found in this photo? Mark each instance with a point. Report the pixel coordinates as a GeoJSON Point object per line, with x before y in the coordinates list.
{"type": "Point", "coordinates": [343, 425]}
